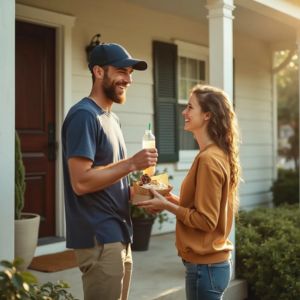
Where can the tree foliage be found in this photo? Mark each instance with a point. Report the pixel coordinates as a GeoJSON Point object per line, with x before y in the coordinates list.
{"type": "Point", "coordinates": [288, 103]}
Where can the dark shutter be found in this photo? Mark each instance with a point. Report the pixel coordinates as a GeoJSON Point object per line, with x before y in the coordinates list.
{"type": "Point", "coordinates": [165, 100]}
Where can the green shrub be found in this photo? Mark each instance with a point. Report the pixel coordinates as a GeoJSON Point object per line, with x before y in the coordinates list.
{"type": "Point", "coordinates": [268, 252]}
{"type": "Point", "coordinates": [286, 188]}
{"type": "Point", "coordinates": [16, 284]}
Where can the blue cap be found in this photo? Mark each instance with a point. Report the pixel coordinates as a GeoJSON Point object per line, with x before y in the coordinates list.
{"type": "Point", "coordinates": [114, 55]}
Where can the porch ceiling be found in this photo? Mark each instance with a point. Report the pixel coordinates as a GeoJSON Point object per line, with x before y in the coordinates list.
{"type": "Point", "coordinates": [246, 21]}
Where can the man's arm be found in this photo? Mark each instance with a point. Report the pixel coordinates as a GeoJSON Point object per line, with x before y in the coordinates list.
{"type": "Point", "coordinates": [86, 179]}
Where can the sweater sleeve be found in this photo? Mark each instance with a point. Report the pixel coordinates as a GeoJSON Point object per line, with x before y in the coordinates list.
{"type": "Point", "coordinates": [204, 214]}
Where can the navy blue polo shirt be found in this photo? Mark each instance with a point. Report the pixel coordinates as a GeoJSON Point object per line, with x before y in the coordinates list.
{"type": "Point", "coordinates": [90, 132]}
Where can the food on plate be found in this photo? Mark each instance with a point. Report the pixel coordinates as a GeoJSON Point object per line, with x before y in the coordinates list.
{"type": "Point", "coordinates": [147, 183]}
{"type": "Point", "coordinates": [141, 188]}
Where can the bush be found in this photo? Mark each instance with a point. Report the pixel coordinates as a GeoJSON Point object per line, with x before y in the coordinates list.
{"type": "Point", "coordinates": [268, 252]}
{"type": "Point", "coordinates": [286, 188]}
{"type": "Point", "coordinates": [16, 284]}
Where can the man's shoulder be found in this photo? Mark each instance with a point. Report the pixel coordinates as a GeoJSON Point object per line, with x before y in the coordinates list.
{"type": "Point", "coordinates": [84, 104]}
{"type": "Point", "coordinates": [81, 108]}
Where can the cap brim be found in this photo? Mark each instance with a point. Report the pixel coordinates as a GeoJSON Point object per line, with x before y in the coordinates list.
{"type": "Point", "coordinates": [130, 62]}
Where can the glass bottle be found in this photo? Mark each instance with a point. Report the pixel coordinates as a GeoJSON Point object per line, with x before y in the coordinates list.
{"type": "Point", "coordinates": [149, 142]}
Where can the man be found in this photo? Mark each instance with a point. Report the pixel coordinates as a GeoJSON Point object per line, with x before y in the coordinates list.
{"type": "Point", "coordinates": [95, 177]}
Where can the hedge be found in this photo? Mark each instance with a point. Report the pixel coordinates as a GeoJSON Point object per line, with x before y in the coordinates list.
{"type": "Point", "coordinates": [268, 252]}
{"type": "Point", "coordinates": [286, 188]}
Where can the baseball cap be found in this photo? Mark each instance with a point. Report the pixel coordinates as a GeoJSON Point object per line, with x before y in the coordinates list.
{"type": "Point", "coordinates": [114, 55]}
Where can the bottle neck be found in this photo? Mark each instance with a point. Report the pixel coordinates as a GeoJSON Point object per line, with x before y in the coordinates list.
{"type": "Point", "coordinates": [149, 135]}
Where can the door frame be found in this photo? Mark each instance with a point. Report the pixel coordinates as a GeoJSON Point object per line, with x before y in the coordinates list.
{"type": "Point", "coordinates": [63, 96]}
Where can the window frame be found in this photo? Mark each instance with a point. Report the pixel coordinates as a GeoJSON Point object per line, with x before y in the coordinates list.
{"type": "Point", "coordinates": [197, 52]}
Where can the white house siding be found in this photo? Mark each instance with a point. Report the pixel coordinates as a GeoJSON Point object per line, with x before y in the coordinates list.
{"type": "Point", "coordinates": [135, 28]}
{"type": "Point", "coordinates": [254, 107]}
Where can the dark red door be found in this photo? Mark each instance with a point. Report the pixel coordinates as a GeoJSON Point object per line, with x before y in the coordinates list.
{"type": "Point", "coordinates": [35, 118]}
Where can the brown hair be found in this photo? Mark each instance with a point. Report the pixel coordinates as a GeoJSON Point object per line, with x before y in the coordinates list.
{"type": "Point", "coordinates": [222, 128]}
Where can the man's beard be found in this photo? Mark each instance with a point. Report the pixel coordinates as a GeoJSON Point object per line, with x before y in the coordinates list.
{"type": "Point", "coordinates": [109, 89]}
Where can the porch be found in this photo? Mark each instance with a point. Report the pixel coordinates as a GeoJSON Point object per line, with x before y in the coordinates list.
{"type": "Point", "coordinates": [158, 274]}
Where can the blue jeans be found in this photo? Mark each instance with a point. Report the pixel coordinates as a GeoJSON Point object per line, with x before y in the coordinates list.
{"type": "Point", "coordinates": [207, 282]}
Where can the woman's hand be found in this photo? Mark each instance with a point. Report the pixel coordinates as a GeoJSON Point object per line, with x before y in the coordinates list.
{"type": "Point", "coordinates": [173, 198]}
{"type": "Point", "coordinates": [157, 203]}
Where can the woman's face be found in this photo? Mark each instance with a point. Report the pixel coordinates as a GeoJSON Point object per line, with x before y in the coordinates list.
{"type": "Point", "coordinates": [194, 117]}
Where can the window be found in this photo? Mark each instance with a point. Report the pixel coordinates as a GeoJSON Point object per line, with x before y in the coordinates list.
{"type": "Point", "coordinates": [192, 69]}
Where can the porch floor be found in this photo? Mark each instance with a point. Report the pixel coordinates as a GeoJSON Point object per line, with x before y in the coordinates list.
{"type": "Point", "coordinates": [157, 274]}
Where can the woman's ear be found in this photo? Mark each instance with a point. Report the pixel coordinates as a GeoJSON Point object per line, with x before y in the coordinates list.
{"type": "Point", "coordinates": [207, 116]}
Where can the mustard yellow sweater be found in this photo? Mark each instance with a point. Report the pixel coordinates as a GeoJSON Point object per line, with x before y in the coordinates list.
{"type": "Point", "coordinates": [205, 215]}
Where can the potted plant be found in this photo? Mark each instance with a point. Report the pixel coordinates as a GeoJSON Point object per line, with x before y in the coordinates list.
{"type": "Point", "coordinates": [26, 224]}
{"type": "Point", "coordinates": [142, 221]}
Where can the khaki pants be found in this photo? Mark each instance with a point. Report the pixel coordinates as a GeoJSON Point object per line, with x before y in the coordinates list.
{"type": "Point", "coordinates": [106, 271]}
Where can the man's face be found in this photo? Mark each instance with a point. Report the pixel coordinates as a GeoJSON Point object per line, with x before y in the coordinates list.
{"type": "Point", "coordinates": [115, 83]}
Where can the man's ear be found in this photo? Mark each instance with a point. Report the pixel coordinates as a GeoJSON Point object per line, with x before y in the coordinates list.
{"type": "Point", "coordinates": [207, 116]}
{"type": "Point", "coordinates": [98, 72]}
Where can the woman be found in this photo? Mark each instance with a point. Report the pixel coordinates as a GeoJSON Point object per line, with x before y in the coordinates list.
{"type": "Point", "coordinates": [208, 196]}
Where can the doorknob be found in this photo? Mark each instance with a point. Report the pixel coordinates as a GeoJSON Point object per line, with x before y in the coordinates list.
{"type": "Point", "coordinates": [52, 145]}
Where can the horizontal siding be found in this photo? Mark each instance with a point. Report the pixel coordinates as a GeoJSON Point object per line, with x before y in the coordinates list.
{"type": "Point", "coordinates": [76, 96]}
{"type": "Point", "coordinates": [254, 150]}
{"type": "Point", "coordinates": [251, 137]}
{"type": "Point", "coordinates": [129, 119]}
{"type": "Point", "coordinates": [258, 162]}
{"type": "Point", "coordinates": [134, 133]}
{"type": "Point", "coordinates": [265, 125]}
{"type": "Point", "coordinates": [253, 105]}
{"type": "Point", "coordinates": [251, 91]}
{"type": "Point", "coordinates": [248, 202]}
{"type": "Point", "coordinates": [81, 83]}
{"type": "Point", "coordinates": [254, 108]}
{"type": "Point", "coordinates": [249, 175]}
{"type": "Point", "coordinates": [255, 186]}
{"type": "Point", "coordinates": [245, 114]}
{"type": "Point", "coordinates": [132, 147]}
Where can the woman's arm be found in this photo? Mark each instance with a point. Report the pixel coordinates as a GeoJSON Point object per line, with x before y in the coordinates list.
{"type": "Point", "coordinates": [204, 213]}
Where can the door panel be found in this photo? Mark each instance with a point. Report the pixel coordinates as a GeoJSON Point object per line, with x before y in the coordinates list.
{"type": "Point", "coordinates": [35, 110]}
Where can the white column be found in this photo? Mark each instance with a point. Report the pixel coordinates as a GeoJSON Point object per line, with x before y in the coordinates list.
{"type": "Point", "coordinates": [7, 128]}
{"type": "Point", "coordinates": [220, 44]}
{"type": "Point", "coordinates": [221, 56]}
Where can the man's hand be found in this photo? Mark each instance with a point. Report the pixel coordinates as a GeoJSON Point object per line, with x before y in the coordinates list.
{"type": "Point", "coordinates": [144, 159]}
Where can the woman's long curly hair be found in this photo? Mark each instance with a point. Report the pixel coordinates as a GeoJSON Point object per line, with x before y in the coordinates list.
{"type": "Point", "coordinates": [222, 128]}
